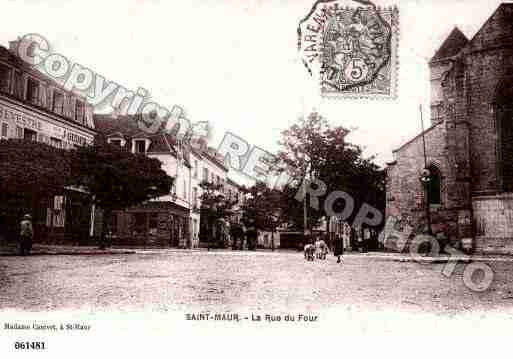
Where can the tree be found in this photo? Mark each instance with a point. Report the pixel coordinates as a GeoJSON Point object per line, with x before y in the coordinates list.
{"type": "Point", "coordinates": [264, 208]}
{"type": "Point", "coordinates": [31, 172]}
{"type": "Point", "coordinates": [117, 179]}
{"type": "Point", "coordinates": [215, 210]}
{"type": "Point", "coordinates": [313, 149]}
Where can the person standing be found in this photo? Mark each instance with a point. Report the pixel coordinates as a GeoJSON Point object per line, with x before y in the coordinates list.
{"type": "Point", "coordinates": [26, 235]}
{"type": "Point", "coordinates": [339, 247]}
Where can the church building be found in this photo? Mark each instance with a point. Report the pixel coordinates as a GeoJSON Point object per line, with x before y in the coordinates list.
{"type": "Point", "coordinates": [456, 178]}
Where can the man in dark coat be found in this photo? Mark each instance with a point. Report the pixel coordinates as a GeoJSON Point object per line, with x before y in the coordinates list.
{"type": "Point", "coordinates": [339, 247]}
{"type": "Point", "coordinates": [26, 235]}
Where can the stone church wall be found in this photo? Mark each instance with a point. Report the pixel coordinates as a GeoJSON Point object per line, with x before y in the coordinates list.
{"type": "Point", "coordinates": [405, 193]}
{"type": "Point", "coordinates": [493, 216]}
{"type": "Point", "coordinates": [487, 59]}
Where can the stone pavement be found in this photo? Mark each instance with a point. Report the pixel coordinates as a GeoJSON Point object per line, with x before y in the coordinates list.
{"type": "Point", "coordinates": [224, 281]}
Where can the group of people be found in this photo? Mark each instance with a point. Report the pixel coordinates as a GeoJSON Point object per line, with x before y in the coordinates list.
{"type": "Point", "coordinates": [320, 249]}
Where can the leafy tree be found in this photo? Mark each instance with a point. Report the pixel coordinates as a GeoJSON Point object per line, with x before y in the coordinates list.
{"type": "Point", "coordinates": [115, 179]}
{"type": "Point", "coordinates": [264, 208]}
{"type": "Point", "coordinates": [313, 149]}
{"type": "Point", "coordinates": [118, 179]}
{"type": "Point", "coordinates": [215, 209]}
{"type": "Point", "coordinates": [31, 172]}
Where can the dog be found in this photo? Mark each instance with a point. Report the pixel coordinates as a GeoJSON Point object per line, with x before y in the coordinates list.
{"type": "Point", "coordinates": [309, 252]}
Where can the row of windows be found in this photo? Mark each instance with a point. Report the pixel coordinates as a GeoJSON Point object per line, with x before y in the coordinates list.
{"type": "Point", "coordinates": [213, 178]}
{"type": "Point", "coordinates": [139, 146]}
{"type": "Point", "coordinates": [31, 90]}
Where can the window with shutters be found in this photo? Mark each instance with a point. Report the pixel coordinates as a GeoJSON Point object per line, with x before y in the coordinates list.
{"type": "Point", "coordinates": [79, 112]}
{"type": "Point", "coordinates": [32, 91]}
{"type": "Point", "coordinates": [5, 78]}
{"type": "Point", "coordinates": [58, 102]}
{"type": "Point", "coordinates": [4, 130]}
{"type": "Point", "coordinates": [19, 132]}
{"type": "Point", "coordinates": [18, 84]}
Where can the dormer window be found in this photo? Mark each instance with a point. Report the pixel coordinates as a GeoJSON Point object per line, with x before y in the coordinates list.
{"type": "Point", "coordinates": [116, 139]}
{"type": "Point", "coordinates": [140, 145]}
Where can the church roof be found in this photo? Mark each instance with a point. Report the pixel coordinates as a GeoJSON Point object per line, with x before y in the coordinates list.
{"type": "Point", "coordinates": [418, 136]}
{"type": "Point", "coordinates": [451, 46]}
{"type": "Point", "coordinates": [497, 30]}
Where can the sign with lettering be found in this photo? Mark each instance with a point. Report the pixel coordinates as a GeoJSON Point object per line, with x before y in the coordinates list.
{"type": "Point", "coordinates": [20, 119]}
{"type": "Point", "coordinates": [48, 129]}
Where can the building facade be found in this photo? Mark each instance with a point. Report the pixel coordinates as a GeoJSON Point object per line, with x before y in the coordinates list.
{"type": "Point", "coordinates": [463, 186]}
{"type": "Point", "coordinates": [36, 108]}
{"type": "Point", "coordinates": [236, 194]}
{"type": "Point", "coordinates": [212, 171]}
{"type": "Point", "coordinates": [196, 160]}
{"type": "Point", "coordinates": [164, 221]}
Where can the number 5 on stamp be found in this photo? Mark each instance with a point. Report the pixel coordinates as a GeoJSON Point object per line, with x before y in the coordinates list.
{"type": "Point", "coordinates": [355, 48]}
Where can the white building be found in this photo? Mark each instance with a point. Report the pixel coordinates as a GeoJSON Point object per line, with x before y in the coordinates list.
{"type": "Point", "coordinates": [212, 171]}
{"type": "Point", "coordinates": [196, 161]}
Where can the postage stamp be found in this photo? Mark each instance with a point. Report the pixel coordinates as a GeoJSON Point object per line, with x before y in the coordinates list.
{"type": "Point", "coordinates": [353, 48]}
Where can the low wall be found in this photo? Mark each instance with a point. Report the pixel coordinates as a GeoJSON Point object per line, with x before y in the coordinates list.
{"type": "Point", "coordinates": [493, 223]}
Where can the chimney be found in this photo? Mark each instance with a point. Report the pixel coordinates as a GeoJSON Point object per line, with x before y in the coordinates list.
{"type": "Point", "coordinates": [13, 46]}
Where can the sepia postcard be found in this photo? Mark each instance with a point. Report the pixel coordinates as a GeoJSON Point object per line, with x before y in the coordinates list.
{"type": "Point", "coordinates": [290, 178]}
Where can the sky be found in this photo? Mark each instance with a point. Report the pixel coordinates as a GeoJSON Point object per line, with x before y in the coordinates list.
{"type": "Point", "coordinates": [235, 63]}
